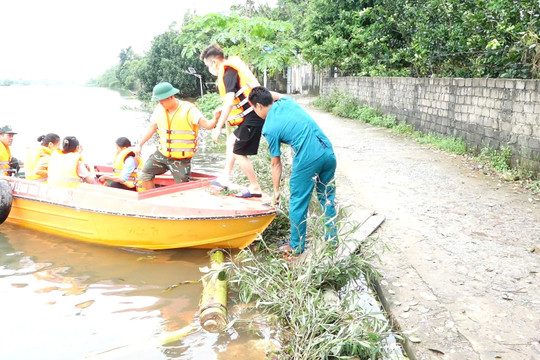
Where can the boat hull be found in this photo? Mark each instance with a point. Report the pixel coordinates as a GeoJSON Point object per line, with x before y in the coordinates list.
{"type": "Point", "coordinates": [123, 220]}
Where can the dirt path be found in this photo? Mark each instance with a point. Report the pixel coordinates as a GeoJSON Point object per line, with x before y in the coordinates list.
{"type": "Point", "coordinates": [461, 268]}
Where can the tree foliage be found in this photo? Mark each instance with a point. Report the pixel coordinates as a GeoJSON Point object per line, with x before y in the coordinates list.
{"type": "Point", "coordinates": [126, 71]}
{"type": "Point", "coordinates": [480, 38]}
{"type": "Point", "coordinates": [166, 62]}
{"type": "Point", "coordinates": [475, 38]}
{"type": "Point", "coordinates": [243, 36]}
{"type": "Point", "coordinates": [174, 51]}
{"type": "Point", "coordinates": [437, 38]}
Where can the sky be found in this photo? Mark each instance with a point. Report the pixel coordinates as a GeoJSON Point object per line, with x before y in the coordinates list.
{"type": "Point", "coordinates": [74, 40]}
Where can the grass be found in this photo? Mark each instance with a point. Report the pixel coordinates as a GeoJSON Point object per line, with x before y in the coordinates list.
{"type": "Point", "coordinates": [446, 143]}
{"type": "Point", "coordinates": [534, 186]}
{"type": "Point", "coordinates": [500, 162]}
{"type": "Point", "coordinates": [497, 160]}
{"type": "Point", "coordinates": [312, 317]}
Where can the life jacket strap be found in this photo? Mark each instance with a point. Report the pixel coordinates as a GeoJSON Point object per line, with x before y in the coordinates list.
{"type": "Point", "coordinates": [171, 150]}
{"type": "Point", "coordinates": [242, 114]}
{"type": "Point", "coordinates": [171, 141]}
{"type": "Point", "coordinates": [167, 131]}
{"type": "Point", "coordinates": [240, 104]}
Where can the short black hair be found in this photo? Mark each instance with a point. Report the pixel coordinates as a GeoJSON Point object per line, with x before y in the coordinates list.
{"type": "Point", "coordinates": [260, 95]}
{"type": "Point", "coordinates": [123, 142]}
{"type": "Point", "coordinates": [211, 51]}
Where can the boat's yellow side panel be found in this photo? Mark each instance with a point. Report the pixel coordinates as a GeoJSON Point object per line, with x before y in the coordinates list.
{"type": "Point", "coordinates": [137, 232]}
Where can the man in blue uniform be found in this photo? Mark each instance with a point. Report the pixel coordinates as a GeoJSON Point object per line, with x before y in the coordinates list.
{"type": "Point", "coordinates": [314, 162]}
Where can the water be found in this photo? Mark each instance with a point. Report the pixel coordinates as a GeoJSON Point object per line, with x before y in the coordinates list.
{"type": "Point", "coordinates": [93, 115]}
{"type": "Point", "coordinates": [65, 299]}
{"type": "Point", "coordinates": [96, 116]}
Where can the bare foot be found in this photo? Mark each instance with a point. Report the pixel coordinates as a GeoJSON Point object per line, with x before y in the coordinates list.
{"type": "Point", "coordinates": [286, 249]}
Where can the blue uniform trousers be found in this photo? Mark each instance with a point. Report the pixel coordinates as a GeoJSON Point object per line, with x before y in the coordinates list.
{"type": "Point", "coordinates": [319, 174]}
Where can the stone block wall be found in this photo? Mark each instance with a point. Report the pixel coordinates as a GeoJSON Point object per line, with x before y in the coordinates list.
{"type": "Point", "coordinates": [483, 112]}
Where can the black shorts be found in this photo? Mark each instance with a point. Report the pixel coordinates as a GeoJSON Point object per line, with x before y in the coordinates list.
{"type": "Point", "coordinates": [247, 139]}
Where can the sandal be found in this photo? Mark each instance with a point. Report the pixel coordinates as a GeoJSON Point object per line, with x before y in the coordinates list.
{"type": "Point", "coordinates": [217, 183]}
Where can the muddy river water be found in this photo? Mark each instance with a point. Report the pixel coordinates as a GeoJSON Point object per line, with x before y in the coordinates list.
{"type": "Point", "coordinates": [64, 299]}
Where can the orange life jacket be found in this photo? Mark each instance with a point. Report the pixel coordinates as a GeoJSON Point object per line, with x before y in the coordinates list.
{"type": "Point", "coordinates": [33, 155]}
{"type": "Point", "coordinates": [177, 136]}
{"type": "Point", "coordinates": [63, 169]}
{"type": "Point", "coordinates": [5, 159]}
{"type": "Point", "coordinates": [118, 166]}
{"type": "Point", "coordinates": [247, 82]}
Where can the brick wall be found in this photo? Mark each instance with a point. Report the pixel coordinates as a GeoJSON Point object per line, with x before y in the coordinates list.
{"type": "Point", "coordinates": [493, 112]}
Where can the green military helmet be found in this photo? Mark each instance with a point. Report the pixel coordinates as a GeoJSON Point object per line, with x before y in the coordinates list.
{"type": "Point", "coordinates": [163, 90]}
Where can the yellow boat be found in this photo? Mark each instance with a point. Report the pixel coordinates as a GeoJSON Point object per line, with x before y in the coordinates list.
{"type": "Point", "coordinates": [194, 214]}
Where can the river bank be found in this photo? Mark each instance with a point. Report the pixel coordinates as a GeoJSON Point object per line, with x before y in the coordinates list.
{"type": "Point", "coordinates": [458, 250]}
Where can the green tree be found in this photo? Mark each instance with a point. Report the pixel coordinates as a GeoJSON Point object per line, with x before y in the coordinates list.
{"type": "Point", "coordinates": [244, 37]}
{"type": "Point", "coordinates": [165, 61]}
{"type": "Point", "coordinates": [109, 78]}
{"type": "Point", "coordinates": [355, 36]}
{"type": "Point", "coordinates": [453, 38]}
{"type": "Point", "coordinates": [476, 38]}
{"type": "Point", "coordinates": [480, 38]}
{"type": "Point", "coordinates": [126, 70]}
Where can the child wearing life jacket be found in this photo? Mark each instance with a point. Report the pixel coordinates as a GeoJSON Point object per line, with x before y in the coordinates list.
{"type": "Point", "coordinates": [37, 158]}
{"type": "Point", "coordinates": [66, 167]}
{"type": "Point", "coordinates": [126, 167]}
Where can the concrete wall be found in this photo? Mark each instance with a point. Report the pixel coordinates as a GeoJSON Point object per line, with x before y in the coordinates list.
{"type": "Point", "coordinates": [302, 79]}
{"type": "Point", "coordinates": [494, 112]}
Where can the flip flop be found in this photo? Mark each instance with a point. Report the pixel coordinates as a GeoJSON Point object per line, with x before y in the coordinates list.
{"type": "Point", "coordinates": [247, 194]}
{"type": "Point", "coordinates": [216, 182]}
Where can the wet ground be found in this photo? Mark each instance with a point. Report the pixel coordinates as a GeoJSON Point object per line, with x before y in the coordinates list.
{"type": "Point", "coordinates": [459, 249]}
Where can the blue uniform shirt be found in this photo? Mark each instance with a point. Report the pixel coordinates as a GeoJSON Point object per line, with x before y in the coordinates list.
{"type": "Point", "coordinates": [288, 123]}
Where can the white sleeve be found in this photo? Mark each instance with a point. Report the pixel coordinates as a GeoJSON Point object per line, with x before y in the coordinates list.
{"type": "Point", "coordinates": [82, 171]}
{"type": "Point", "coordinates": [155, 114]}
{"type": "Point", "coordinates": [195, 115]}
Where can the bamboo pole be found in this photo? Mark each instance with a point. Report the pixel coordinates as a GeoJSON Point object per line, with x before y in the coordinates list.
{"type": "Point", "coordinates": [213, 305]}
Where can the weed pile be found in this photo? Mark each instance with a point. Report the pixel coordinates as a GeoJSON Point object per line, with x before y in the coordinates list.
{"type": "Point", "coordinates": [314, 317]}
